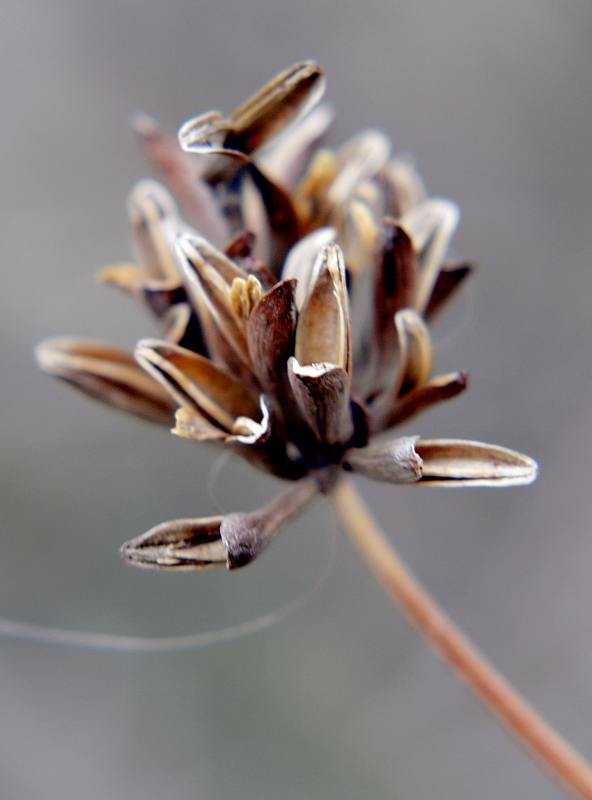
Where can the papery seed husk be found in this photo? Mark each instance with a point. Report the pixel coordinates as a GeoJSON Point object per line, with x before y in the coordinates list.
{"type": "Point", "coordinates": [210, 254]}
{"type": "Point", "coordinates": [322, 392]}
{"type": "Point", "coordinates": [217, 345]}
{"type": "Point", "coordinates": [323, 331]}
{"type": "Point", "coordinates": [155, 224]}
{"type": "Point", "coordinates": [210, 296]}
{"type": "Point", "coordinates": [204, 131]}
{"type": "Point", "coordinates": [181, 544]}
{"type": "Point", "coordinates": [107, 374]}
{"type": "Point", "coordinates": [430, 227]}
{"type": "Point", "coordinates": [301, 259]}
{"type": "Point", "coordinates": [387, 413]}
{"type": "Point", "coordinates": [193, 379]}
{"type": "Point", "coordinates": [458, 462]}
{"type": "Point", "coordinates": [285, 98]}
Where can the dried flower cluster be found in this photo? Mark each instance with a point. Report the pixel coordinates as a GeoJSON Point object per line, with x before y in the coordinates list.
{"type": "Point", "coordinates": [293, 285]}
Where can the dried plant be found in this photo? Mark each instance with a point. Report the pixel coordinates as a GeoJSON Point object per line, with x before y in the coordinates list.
{"type": "Point", "coordinates": [294, 286]}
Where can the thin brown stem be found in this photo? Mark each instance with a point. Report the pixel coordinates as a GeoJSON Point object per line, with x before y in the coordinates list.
{"type": "Point", "coordinates": [521, 720]}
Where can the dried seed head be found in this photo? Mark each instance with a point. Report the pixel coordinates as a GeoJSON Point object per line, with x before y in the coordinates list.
{"type": "Point", "coordinates": [253, 305]}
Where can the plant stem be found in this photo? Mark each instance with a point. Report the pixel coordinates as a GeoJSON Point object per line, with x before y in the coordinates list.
{"type": "Point", "coordinates": [520, 719]}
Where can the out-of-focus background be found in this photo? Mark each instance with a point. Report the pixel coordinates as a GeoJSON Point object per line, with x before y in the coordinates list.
{"type": "Point", "coordinates": [341, 699]}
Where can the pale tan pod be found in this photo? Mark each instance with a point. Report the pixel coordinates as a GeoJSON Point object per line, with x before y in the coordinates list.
{"type": "Point", "coordinates": [207, 288]}
{"type": "Point", "coordinates": [458, 462]}
{"type": "Point", "coordinates": [181, 544]}
{"type": "Point", "coordinates": [155, 224]}
{"type": "Point", "coordinates": [301, 259]}
{"type": "Point", "coordinates": [193, 380]}
{"type": "Point", "coordinates": [232, 541]}
{"type": "Point", "coordinates": [323, 331]}
{"type": "Point", "coordinates": [106, 374]}
{"type": "Point", "coordinates": [390, 411]}
{"type": "Point", "coordinates": [287, 97]}
{"type": "Point", "coordinates": [216, 258]}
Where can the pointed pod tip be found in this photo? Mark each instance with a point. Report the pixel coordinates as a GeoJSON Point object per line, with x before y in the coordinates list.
{"type": "Point", "coordinates": [54, 351]}
{"type": "Point", "coordinates": [45, 353]}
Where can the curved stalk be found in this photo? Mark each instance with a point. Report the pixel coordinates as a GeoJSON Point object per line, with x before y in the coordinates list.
{"type": "Point", "coordinates": [562, 762]}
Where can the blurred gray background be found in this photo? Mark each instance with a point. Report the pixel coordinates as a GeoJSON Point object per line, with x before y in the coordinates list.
{"type": "Point", "coordinates": [340, 700]}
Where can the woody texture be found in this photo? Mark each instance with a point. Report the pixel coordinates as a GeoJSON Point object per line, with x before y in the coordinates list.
{"type": "Point", "coordinates": [292, 287]}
